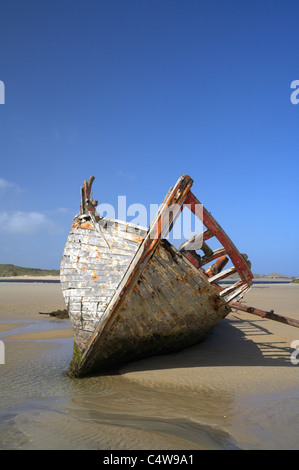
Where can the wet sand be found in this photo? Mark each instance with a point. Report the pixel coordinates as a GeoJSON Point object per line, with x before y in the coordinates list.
{"type": "Point", "coordinates": [237, 389]}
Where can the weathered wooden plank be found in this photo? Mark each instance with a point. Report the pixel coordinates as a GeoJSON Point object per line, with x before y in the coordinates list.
{"type": "Point", "coordinates": [143, 314]}
{"type": "Point", "coordinates": [99, 242]}
{"type": "Point", "coordinates": [241, 294]}
{"type": "Point", "coordinates": [88, 292]}
{"type": "Point", "coordinates": [214, 255]}
{"type": "Point", "coordinates": [230, 289]}
{"type": "Point", "coordinates": [107, 225]}
{"type": "Point", "coordinates": [179, 278]}
{"type": "Point", "coordinates": [114, 244]}
{"type": "Point", "coordinates": [175, 297]}
{"type": "Point", "coordinates": [187, 298]}
{"type": "Point", "coordinates": [101, 237]}
{"type": "Point", "coordinates": [240, 290]}
{"type": "Point", "coordinates": [144, 293]}
{"type": "Point", "coordinates": [195, 242]}
{"type": "Point", "coordinates": [137, 317]}
{"type": "Point", "coordinates": [185, 275]}
{"type": "Point", "coordinates": [121, 225]}
{"type": "Point", "coordinates": [92, 278]}
{"type": "Point", "coordinates": [72, 275]}
{"type": "Point", "coordinates": [77, 254]}
{"type": "Point", "coordinates": [88, 326]}
{"type": "Point", "coordinates": [186, 271]}
{"type": "Point", "coordinates": [194, 304]}
{"type": "Point", "coordinates": [160, 296]}
{"type": "Point", "coordinates": [95, 308]}
{"type": "Point", "coordinates": [84, 286]}
{"type": "Point", "coordinates": [70, 300]}
{"type": "Point", "coordinates": [92, 266]}
{"type": "Point", "coordinates": [223, 275]}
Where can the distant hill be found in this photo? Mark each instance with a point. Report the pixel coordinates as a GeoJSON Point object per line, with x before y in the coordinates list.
{"type": "Point", "coordinates": [10, 270]}
{"type": "Point", "coordinates": [265, 276]}
{"type": "Point", "coordinates": [272, 276]}
{"type": "Point", "coordinates": [275, 275]}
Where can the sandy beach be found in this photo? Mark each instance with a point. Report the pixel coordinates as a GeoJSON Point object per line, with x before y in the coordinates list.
{"type": "Point", "coordinates": [238, 386]}
{"type": "Point", "coordinates": [27, 300]}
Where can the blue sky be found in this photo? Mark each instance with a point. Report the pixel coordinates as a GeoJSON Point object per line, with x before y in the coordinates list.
{"type": "Point", "coordinates": [138, 92]}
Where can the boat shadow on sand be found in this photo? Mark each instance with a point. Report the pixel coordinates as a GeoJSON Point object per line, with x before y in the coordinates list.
{"type": "Point", "coordinates": [234, 342]}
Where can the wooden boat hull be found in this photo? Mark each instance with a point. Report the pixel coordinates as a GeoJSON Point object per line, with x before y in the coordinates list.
{"type": "Point", "coordinates": [131, 294]}
{"type": "Point", "coordinates": [170, 307]}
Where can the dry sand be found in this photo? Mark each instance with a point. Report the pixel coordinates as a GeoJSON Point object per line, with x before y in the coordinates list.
{"type": "Point", "coordinates": [25, 301]}
{"type": "Point", "coordinates": [29, 298]}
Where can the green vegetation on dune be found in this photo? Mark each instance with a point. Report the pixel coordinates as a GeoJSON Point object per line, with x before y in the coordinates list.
{"type": "Point", "coordinates": [9, 270]}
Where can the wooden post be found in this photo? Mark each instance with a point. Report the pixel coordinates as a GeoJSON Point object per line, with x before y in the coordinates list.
{"type": "Point", "coordinates": [87, 203]}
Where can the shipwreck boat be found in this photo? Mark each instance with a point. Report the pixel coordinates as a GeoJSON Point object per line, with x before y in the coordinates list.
{"type": "Point", "coordinates": [131, 294]}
